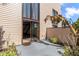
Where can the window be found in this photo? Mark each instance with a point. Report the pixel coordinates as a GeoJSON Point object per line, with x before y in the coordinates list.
{"type": "Point", "coordinates": [54, 12]}
{"type": "Point", "coordinates": [31, 10]}
{"type": "Point", "coordinates": [35, 11]}
{"type": "Point", "coordinates": [26, 10]}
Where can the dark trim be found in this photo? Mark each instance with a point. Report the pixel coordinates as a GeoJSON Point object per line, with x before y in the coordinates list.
{"type": "Point", "coordinates": [22, 25]}
{"type": "Point", "coordinates": [39, 19]}
{"type": "Point", "coordinates": [30, 21]}
{"type": "Point", "coordinates": [26, 19]}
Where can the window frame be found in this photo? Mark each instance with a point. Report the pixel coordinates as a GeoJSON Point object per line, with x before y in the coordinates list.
{"type": "Point", "coordinates": [54, 12]}
{"type": "Point", "coordinates": [31, 13]}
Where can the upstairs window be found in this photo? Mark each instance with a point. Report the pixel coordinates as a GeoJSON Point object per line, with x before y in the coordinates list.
{"type": "Point", "coordinates": [31, 10]}
{"type": "Point", "coordinates": [54, 12]}
{"type": "Point", "coordinates": [26, 10]}
{"type": "Point", "coordinates": [35, 11]}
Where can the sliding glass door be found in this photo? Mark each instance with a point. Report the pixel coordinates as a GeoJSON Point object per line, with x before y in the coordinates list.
{"type": "Point", "coordinates": [30, 20]}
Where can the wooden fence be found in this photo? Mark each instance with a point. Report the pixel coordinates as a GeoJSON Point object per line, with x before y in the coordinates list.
{"type": "Point", "coordinates": [62, 33]}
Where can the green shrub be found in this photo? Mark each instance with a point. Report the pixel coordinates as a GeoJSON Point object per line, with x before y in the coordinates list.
{"type": "Point", "coordinates": [54, 39]}
{"type": "Point", "coordinates": [10, 51]}
{"type": "Point", "coordinates": [68, 51]}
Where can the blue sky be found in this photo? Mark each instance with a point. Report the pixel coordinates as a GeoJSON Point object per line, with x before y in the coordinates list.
{"type": "Point", "coordinates": [70, 10]}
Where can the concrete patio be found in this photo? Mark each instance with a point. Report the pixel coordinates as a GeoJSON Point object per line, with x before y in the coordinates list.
{"type": "Point", "coordinates": [39, 49]}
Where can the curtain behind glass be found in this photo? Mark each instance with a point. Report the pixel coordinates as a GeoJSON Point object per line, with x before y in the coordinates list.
{"type": "Point", "coordinates": [35, 11]}
{"type": "Point", "coordinates": [26, 10]}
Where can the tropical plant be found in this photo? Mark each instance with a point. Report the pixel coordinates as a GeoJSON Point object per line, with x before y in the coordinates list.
{"type": "Point", "coordinates": [76, 24]}
{"type": "Point", "coordinates": [71, 42]}
{"type": "Point", "coordinates": [54, 19]}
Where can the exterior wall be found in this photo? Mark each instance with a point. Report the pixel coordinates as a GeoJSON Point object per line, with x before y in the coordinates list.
{"type": "Point", "coordinates": [11, 21]}
{"type": "Point", "coordinates": [46, 9]}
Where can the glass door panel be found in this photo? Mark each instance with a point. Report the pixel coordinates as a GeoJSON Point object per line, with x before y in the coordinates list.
{"type": "Point", "coordinates": [35, 30]}
{"type": "Point", "coordinates": [26, 30]}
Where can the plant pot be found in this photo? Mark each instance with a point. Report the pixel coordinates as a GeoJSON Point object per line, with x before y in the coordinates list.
{"type": "Point", "coordinates": [26, 42]}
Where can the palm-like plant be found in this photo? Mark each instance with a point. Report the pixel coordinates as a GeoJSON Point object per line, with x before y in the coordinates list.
{"type": "Point", "coordinates": [71, 38]}
{"type": "Point", "coordinates": [54, 19]}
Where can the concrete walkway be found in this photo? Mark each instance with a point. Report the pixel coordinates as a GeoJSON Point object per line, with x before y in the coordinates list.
{"type": "Point", "coordinates": [38, 49]}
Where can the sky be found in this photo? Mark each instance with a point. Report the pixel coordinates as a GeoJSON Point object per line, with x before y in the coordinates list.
{"type": "Point", "coordinates": [70, 10]}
